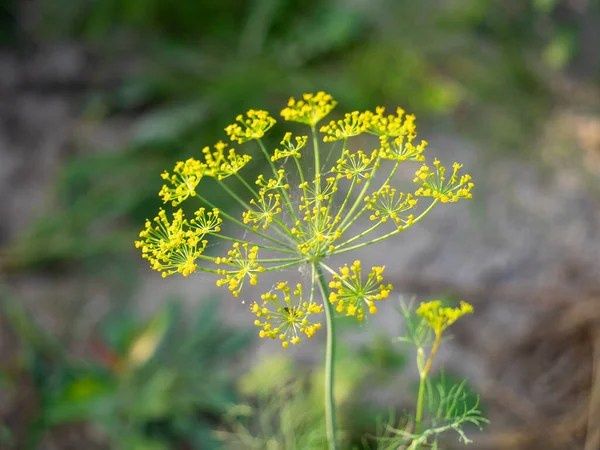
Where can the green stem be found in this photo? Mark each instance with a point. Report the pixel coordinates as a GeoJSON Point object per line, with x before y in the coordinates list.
{"type": "Point", "coordinates": [420, 401]}
{"type": "Point", "coordinates": [344, 228]}
{"type": "Point", "coordinates": [317, 164]}
{"type": "Point", "coordinates": [360, 197]}
{"type": "Point", "coordinates": [245, 183]}
{"type": "Point", "coordinates": [287, 202]}
{"type": "Point", "coordinates": [316, 151]}
{"type": "Point", "coordinates": [283, 266]}
{"type": "Point", "coordinates": [246, 227]}
{"type": "Point", "coordinates": [262, 246]}
{"type": "Point", "coordinates": [282, 230]}
{"type": "Point", "coordinates": [329, 361]}
{"type": "Point", "coordinates": [233, 195]}
{"type": "Point", "coordinates": [335, 185]}
{"type": "Point", "coordinates": [423, 380]}
{"type": "Point", "coordinates": [287, 233]}
{"type": "Point", "coordinates": [358, 236]}
{"type": "Point", "coordinates": [338, 216]}
{"type": "Point", "coordinates": [300, 172]}
{"type": "Point", "coordinates": [385, 236]}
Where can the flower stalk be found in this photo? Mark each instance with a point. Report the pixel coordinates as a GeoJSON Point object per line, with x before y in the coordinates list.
{"type": "Point", "coordinates": [330, 424]}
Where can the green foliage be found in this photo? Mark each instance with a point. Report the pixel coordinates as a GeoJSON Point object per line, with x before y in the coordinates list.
{"type": "Point", "coordinates": [451, 410]}
{"type": "Point", "coordinates": [285, 404]}
{"type": "Point", "coordinates": [150, 384]}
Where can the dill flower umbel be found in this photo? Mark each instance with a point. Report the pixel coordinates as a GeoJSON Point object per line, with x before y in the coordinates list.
{"type": "Point", "coordinates": [402, 149]}
{"type": "Point", "coordinates": [286, 318]}
{"type": "Point", "coordinates": [290, 148]}
{"type": "Point", "coordinates": [222, 165]}
{"type": "Point", "coordinates": [300, 220]}
{"type": "Point", "coordinates": [242, 259]}
{"type": "Point", "coordinates": [310, 110]}
{"type": "Point", "coordinates": [351, 294]}
{"type": "Point", "coordinates": [439, 318]}
{"type": "Point", "coordinates": [253, 125]}
{"type": "Point", "coordinates": [353, 124]}
{"type": "Point", "coordinates": [391, 125]}
{"type": "Point", "coordinates": [357, 166]}
{"type": "Point", "coordinates": [184, 179]}
{"type": "Point", "coordinates": [170, 246]}
{"type": "Point", "coordinates": [267, 207]}
{"type": "Point", "coordinates": [387, 203]}
{"type": "Point", "coordinates": [434, 183]}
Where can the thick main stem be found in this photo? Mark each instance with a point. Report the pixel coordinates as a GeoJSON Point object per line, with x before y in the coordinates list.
{"type": "Point", "coordinates": [329, 361]}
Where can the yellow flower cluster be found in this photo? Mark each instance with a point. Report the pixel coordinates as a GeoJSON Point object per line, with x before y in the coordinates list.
{"type": "Point", "coordinates": [174, 246]}
{"type": "Point", "coordinates": [186, 176]}
{"type": "Point", "coordinates": [391, 125]}
{"type": "Point", "coordinates": [222, 165]}
{"type": "Point", "coordinates": [290, 149]}
{"type": "Point", "coordinates": [287, 318]}
{"type": "Point", "coordinates": [434, 183]}
{"type": "Point", "coordinates": [253, 125]}
{"type": "Point", "coordinates": [310, 110]}
{"type": "Point", "coordinates": [439, 318]}
{"type": "Point", "coordinates": [273, 184]}
{"type": "Point", "coordinates": [315, 193]}
{"type": "Point", "coordinates": [206, 222]}
{"type": "Point", "coordinates": [318, 233]}
{"type": "Point", "coordinates": [356, 165]}
{"type": "Point", "coordinates": [399, 150]}
{"type": "Point", "coordinates": [243, 259]}
{"type": "Point", "coordinates": [267, 207]}
{"type": "Point", "coordinates": [386, 204]}
{"type": "Point", "coordinates": [352, 293]}
{"type": "Point", "coordinates": [352, 125]}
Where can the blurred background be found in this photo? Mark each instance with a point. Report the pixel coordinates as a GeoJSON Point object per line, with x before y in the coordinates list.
{"type": "Point", "coordinates": [98, 97]}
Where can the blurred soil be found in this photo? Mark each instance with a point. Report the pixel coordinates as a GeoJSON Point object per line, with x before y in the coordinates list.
{"type": "Point", "coordinates": [525, 251]}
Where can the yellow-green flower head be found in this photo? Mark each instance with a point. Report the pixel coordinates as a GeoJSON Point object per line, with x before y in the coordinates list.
{"type": "Point", "coordinates": [434, 183]}
{"type": "Point", "coordinates": [310, 110]}
{"type": "Point", "coordinates": [243, 259]}
{"type": "Point", "coordinates": [184, 179]}
{"type": "Point", "coordinates": [317, 193]}
{"type": "Point", "coordinates": [267, 207]}
{"type": "Point", "coordinates": [286, 318]}
{"type": "Point", "coordinates": [391, 125]}
{"type": "Point", "coordinates": [350, 294]}
{"type": "Point", "coordinates": [318, 233]}
{"type": "Point", "coordinates": [399, 150]}
{"type": "Point", "coordinates": [170, 246]}
{"type": "Point", "coordinates": [352, 125]}
{"type": "Point", "coordinates": [273, 184]}
{"type": "Point", "coordinates": [222, 165]}
{"type": "Point", "coordinates": [387, 203]}
{"type": "Point", "coordinates": [253, 125]}
{"type": "Point", "coordinates": [206, 222]}
{"type": "Point", "coordinates": [290, 149]}
{"type": "Point", "coordinates": [438, 317]}
{"type": "Point", "coordinates": [356, 166]}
